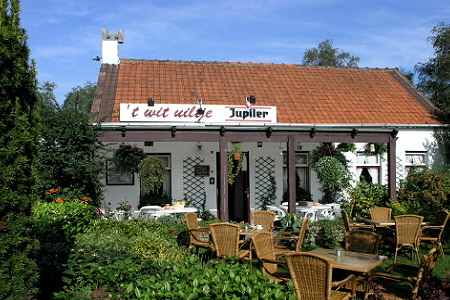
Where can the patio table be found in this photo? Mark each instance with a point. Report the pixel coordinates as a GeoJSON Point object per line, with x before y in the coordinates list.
{"type": "Point", "coordinates": [362, 263]}
{"type": "Point", "coordinates": [164, 212]}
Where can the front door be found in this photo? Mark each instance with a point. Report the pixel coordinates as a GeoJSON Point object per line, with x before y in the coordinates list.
{"type": "Point", "coordinates": [238, 194]}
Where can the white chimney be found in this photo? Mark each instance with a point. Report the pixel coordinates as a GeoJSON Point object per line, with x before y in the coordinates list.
{"type": "Point", "coordinates": [110, 46]}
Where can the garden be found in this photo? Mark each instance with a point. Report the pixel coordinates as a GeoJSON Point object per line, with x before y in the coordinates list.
{"type": "Point", "coordinates": [82, 256]}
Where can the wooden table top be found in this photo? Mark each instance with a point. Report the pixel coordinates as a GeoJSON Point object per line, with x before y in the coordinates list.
{"type": "Point", "coordinates": [352, 261]}
{"type": "Point", "coordinates": [250, 231]}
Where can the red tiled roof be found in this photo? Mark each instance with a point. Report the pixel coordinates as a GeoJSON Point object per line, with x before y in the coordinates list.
{"type": "Point", "coordinates": [302, 94]}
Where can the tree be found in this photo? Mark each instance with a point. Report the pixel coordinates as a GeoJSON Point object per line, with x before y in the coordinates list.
{"type": "Point", "coordinates": [69, 147]}
{"type": "Point", "coordinates": [19, 126]}
{"type": "Point", "coordinates": [434, 75]}
{"type": "Point", "coordinates": [434, 81]}
{"type": "Point", "coordinates": [326, 55]}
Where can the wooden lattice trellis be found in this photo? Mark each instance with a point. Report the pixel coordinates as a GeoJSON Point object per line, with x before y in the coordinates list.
{"type": "Point", "coordinates": [193, 186]}
{"type": "Point", "coordinates": [264, 167]}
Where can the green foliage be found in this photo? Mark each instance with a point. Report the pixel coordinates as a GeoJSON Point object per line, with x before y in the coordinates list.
{"type": "Point", "coordinates": [327, 234]}
{"type": "Point", "coordinates": [424, 193]}
{"type": "Point", "coordinates": [290, 223]}
{"type": "Point", "coordinates": [333, 176]}
{"type": "Point", "coordinates": [434, 75]}
{"type": "Point", "coordinates": [69, 148]}
{"type": "Point", "coordinates": [80, 98]}
{"type": "Point", "coordinates": [153, 172]}
{"type": "Point", "coordinates": [380, 149]}
{"type": "Point", "coordinates": [234, 166]}
{"type": "Point", "coordinates": [300, 195]}
{"type": "Point", "coordinates": [326, 55]}
{"type": "Point", "coordinates": [442, 157]}
{"type": "Point", "coordinates": [19, 127]}
{"type": "Point", "coordinates": [346, 147]}
{"type": "Point", "coordinates": [117, 278]}
{"type": "Point", "coordinates": [127, 158]}
{"type": "Point", "coordinates": [327, 149]}
{"type": "Point", "coordinates": [364, 196]}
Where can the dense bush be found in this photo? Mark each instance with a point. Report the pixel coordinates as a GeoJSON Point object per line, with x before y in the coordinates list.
{"type": "Point", "coordinates": [56, 225]}
{"type": "Point", "coordinates": [423, 193]}
{"type": "Point", "coordinates": [364, 196]}
{"type": "Point", "coordinates": [131, 277]}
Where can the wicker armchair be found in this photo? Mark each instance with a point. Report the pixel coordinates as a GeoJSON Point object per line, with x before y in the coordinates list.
{"type": "Point", "coordinates": [387, 281]}
{"type": "Point", "coordinates": [311, 274]}
{"type": "Point", "coordinates": [226, 241]}
{"type": "Point", "coordinates": [433, 233]}
{"type": "Point", "coordinates": [407, 234]}
{"type": "Point", "coordinates": [198, 236]}
{"type": "Point", "coordinates": [265, 218]}
{"type": "Point", "coordinates": [380, 214]}
{"type": "Point", "coordinates": [353, 226]}
{"type": "Point", "coordinates": [282, 250]}
{"type": "Point", "coordinates": [362, 241]}
{"type": "Point", "coordinates": [264, 249]}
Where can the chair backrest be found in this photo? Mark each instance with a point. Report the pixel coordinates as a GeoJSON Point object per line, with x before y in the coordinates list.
{"type": "Point", "coordinates": [191, 219]}
{"type": "Point", "coordinates": [380, 213]}
{"type": "Point", "coordinates": [279, 211]}
{"type": "Point", "coordinates": [441, 219]}
{"type": "Point", "coordinates": [311, 275]}
{"type": "Point", "coordinates": [407, 228]}
{"type": "Point", "coordinates": [265, 218]}
{"type": "Point", "coordinates": [363, 241]}
{"type": "Point", "coordinates": [264, 248]}
{"type": "Point", "coordinates": [301, 234]}
{"type": "Point", "coordinates": [225, 238]}
{"type": "Point", "coordinates": [425, 269]}
{"type": "Point", "coordinates": [346, 220]}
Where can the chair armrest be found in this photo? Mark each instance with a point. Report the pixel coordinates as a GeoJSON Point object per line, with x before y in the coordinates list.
{"type": "Point", "coordinates": [408, 279]}
{"type": "Point", "coordinates": [340, 283]}
{"type": "Point", "coordinates": [401, 266]}
{"type": "Point", "coordinates": [200, 229]}
{"type": "Point", "coordinates": [432, 227]}
{"type": "Point", "coordinates": [279, 238]}
{"type": "Point", "coordinates": [274, 261]}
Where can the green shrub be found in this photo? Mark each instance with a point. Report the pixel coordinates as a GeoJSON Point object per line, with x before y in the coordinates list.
{"type": "Point", "coordinates": [169, 280]}
{"type": "Point", "coordinates": [364, 196]}
{"type": "Point", "coordinates": [424, 193]}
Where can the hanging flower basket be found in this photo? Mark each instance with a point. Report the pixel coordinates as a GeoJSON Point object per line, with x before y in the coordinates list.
{"type": "Point", "coordinates": [126, 158]}
{"type": "Point", "coordinates": [235, 162]}
{"type": "Point", "coordinates": [153, 172]}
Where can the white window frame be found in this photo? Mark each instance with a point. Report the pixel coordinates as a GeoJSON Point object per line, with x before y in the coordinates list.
{"type": "Point", "coordinates": [305, 165]}
{"type": "Point", "coordinates": [412, 163]}
{"type": "Point", "coordinates": [370, 165]}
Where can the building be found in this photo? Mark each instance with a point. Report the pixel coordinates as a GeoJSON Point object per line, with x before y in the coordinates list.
{"type": "Point", "coordinates": [191, 113]}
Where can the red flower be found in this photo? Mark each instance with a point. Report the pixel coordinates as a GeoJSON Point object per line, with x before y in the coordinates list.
{"type": "Point", "coordinates": [59, 200]}
{"type": "Point", "coordinates": [109, 203]}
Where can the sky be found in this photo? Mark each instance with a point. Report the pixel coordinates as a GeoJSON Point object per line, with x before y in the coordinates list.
{"type": "Point", "coordinates": [64, 35]}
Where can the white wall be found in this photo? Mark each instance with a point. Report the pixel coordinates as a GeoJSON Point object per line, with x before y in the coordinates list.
{"type": "Point", "coordinates": [408, 140]}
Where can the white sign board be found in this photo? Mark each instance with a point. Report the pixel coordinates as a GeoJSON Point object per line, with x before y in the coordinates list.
{"type": "Point", "coordinates": [188, 113]}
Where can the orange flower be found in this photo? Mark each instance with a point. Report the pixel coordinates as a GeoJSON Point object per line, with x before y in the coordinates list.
{"type": "Point", "coordinates": [51, 191]}
{"type": "Point", "coordinates": [59, 200]}
{"type": "Point", "coordinates": [85, 199]}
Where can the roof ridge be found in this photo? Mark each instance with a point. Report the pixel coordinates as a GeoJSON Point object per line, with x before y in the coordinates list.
{"type": "Point", "coordinates": [252, 63]}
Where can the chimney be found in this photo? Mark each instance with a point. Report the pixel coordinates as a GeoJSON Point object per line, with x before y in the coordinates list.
{"type": "Point", "coordinates": [110, 46]}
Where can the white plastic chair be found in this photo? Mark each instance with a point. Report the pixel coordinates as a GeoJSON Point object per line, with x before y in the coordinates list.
{"type": "Point", "coordinates": [147, 212]}
{"type": "Point", "coordinates": [279, 211]}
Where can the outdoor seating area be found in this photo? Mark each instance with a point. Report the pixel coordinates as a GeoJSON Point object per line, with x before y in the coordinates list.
{"type": "Point", "coordinates": [347, 273]}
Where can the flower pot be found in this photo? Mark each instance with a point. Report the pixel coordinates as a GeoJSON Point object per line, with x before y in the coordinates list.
{"type": "Point", "coordinates": [237, 155]}
{"type": "Point", "coordinates": [178, 206]}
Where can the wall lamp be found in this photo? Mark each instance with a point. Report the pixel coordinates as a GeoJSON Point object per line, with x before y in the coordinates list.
{"type": "Point", "coordinates": [200, 110]}
{"type": "Point", "coordinates": [151, 102]}
{"type": "Point", "coordinates": [269, 132]}
{"type": "Point", "coordinates": [124, 133]}
{"type": "Point", "coordinates": [354, 132]}
{"type": "Point", "coordinates": [312, 132]}
{"type": "Point", "coordinates": [251, 99]}
{"type": "Point", "coordinates": [174, 130]}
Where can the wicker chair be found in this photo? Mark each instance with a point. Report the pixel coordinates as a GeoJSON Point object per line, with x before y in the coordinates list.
{"type": "Point", "coordinates": [407, 233]}
{"type": "Point", "coordinates": [380, 214]}
{"type": "Point", "coordinates": [282, 250]}
{"type": "Point", "coordinates": [387, 282]}
{"type": "Point", "coordinates": [226, 241]}
{"type": "Point", "coordinates": [311, 274]}
{"type": "Point", "coordinates": [264, 249]}
{"type": "Point", "coordinates": [353, 226]}
{"type": "Point", "coordinates": [362, 241]}
{"type": "Point", "coordinates": [265, 218]}
{"type": "Point", "coordinates": [199, 236]}
{"type": "Point", "coordinates": [433, 233]}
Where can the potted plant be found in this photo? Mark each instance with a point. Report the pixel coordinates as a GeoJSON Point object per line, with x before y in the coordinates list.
{"type": "Point", "coordinates": [179, 204]}
{"type": "Point", "coordinates": [127, 158]}
{"type": "Point", "coordinates": [235, 162]}
{"type": "Point", "coordinates": [153, 173]}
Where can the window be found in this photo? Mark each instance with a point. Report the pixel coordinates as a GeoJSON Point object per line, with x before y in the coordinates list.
{"type": "Point", "coordinates": [301, 170]}
{"type": "Point", "coordinates": [368, 167]}
{"type": "Point", "coordinates": [164, 193]}
{"type": "Point", "coordinates": [415, 160]}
